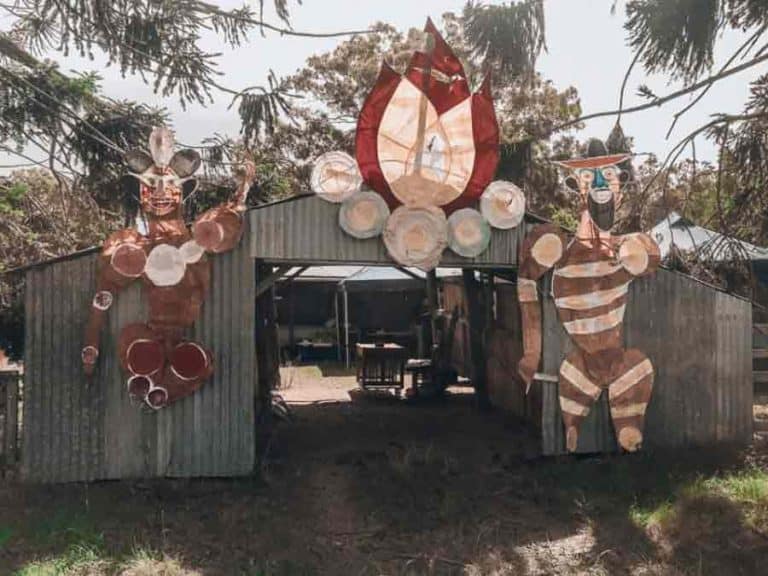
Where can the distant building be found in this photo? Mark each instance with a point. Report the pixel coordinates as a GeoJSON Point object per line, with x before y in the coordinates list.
{"type": "Point", "coordinates": [689, 237]}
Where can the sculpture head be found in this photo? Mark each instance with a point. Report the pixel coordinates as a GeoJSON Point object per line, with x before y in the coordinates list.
{"type": "Point", "coordinates": [599, 181]}
{"type": "Point", "coordinates": [163, 177]}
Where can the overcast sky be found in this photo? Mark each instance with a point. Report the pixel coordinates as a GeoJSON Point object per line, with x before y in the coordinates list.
{"type": "Point", "coordinates": [586, 49]}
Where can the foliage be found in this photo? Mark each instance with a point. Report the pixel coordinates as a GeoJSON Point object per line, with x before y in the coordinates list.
{"type": "Point", "coordinates": [40, 218]}
{"type": "Point", "coordinates": [508, 38]}
{"type": "Point", "coordinates": [679, 37]}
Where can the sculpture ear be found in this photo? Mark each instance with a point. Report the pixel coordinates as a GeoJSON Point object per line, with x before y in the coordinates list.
{"type": "Point", "coordinates": [130, 193]}
{"type": "Point", "coordinates": [185, 163]}
{"type": "Point", "coordinates": [572, 183]}
{"type": "Point", "coordinates": [624, 176]}
{"type": "Point", "coordinates": [138, 161]}
{"type": "Point", "coordinates": [189, 186]}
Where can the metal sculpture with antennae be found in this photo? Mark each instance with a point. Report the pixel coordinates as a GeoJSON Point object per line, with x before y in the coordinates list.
{"type": "Point", "coordinates": [591, 278]}
{"type": "Point", "coordinates": [162, 365]}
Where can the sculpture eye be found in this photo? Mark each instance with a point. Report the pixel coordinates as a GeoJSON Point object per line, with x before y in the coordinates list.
{"type": "Point", "coordinates": [610, 172]}
{"type": "Point", "coordinates": [585, 175]}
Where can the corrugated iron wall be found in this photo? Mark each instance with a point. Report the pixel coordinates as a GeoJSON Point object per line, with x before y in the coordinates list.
{"type": "Point", "coordinates": [306, 229]}
{"type": "Point", "coordinates": [74, 430]}
{"type": "Point", "coordinates": [700, 342]}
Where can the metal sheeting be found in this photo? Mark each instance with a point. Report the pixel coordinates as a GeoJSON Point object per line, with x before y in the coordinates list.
{"type": "Point", "coordinates": [76, 431]}
{"type": "Point", "coordinates": [305, 229]}
{"type": "Point", "coordinates": [699, 340]}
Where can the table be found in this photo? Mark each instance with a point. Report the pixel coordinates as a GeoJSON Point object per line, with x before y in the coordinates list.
{"type": "Point", "coordinates": [381, 366]}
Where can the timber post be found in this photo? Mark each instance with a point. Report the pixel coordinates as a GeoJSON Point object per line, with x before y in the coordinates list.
{"type": "Point", "coordinates": [476, 338]}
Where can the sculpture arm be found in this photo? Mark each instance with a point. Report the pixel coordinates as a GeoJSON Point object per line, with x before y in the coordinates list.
{"type": "Point", "coordinates": [220, 228]}
{"type": "Point", "coordinates": [542, 249]}
{"type": "Point", "coordinates": [121, 261]}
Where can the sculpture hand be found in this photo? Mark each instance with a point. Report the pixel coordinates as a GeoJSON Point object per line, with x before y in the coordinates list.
{"type": "Point", "coordinates": [526, 368]}
{"type": "Point", "coordinates": [245, 174]}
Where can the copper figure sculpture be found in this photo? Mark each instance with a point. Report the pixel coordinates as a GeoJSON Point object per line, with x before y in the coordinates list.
{"type": "Point", "coordinates": [162, 364]}
{"type": "Point", "coordinates": [591, 278]}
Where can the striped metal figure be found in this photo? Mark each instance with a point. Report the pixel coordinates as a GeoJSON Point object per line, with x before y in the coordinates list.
{"type": "Point", "coordinates": [591, 278]}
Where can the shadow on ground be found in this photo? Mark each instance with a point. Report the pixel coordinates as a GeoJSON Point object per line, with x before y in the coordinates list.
{"type": "Point", "coordinates": [373, 487]}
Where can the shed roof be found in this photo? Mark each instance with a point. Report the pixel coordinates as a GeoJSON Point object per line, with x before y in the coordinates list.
{"type": "Point", "coordinates": [687, 236]}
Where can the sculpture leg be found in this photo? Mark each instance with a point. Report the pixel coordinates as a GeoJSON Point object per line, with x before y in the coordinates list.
{"type": "Point", "coordinates": [189, 365]}
{"type": "Point", "coordinates": [142, 355]}
{"type": "Point", "coordinates": [628, 396]}
{"type": "Point", "coordinates": [578, 392]}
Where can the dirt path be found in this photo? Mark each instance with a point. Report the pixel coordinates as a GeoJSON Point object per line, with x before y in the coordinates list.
{"type": "Point", "coordinates": [380, 486]}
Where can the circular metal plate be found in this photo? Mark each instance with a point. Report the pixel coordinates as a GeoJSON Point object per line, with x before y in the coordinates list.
{"type": "Point", "coordinates": [468, 233]}
{"type": "Point", "coordinates": [503, 205]}
{"type": "Point", "coordinates": [335, 176]}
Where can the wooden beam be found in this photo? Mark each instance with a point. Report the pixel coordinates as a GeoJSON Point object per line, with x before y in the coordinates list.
{"type": "Point", "coordinates": [405, 270]}
{"type": "Point", "coordinates": [292, 277]}
{"type": "Point", "coordinates": [476, 340]}
{"type": "Point", "coordinates": [761, 328]}
{"type": "Point", "coordinates": [10, 389]}
{"type": "Point", "coordinates": [432, 302]}
{"type": "Point", "coordinates": [759, 353]}
{"type": "Point", "coordinates": [760, 376]}
{"type": "Point", "coordinates": [270, 278]}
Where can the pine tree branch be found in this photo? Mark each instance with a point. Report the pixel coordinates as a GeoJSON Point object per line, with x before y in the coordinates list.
{"type": "Point", "coordinates": [747, 46]}
{"type": "Point", "coordinates": [214, 10]}
{"type": "Point", "coordinates": [657, 102]}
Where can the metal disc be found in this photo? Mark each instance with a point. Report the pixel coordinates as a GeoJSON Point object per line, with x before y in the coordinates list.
{"type": "Point", "coordinates": [165, 265]}
{"type": "Point", "coordinates": [468, 233]}
{"type": "Point", "coordinates": [416, 236]}
{"type": "Point", "coordinates": [503, 205]}
{"type": "Point", "coordinates": [335, 176]}
{"type": "Point", "coordinates": [363, 215]}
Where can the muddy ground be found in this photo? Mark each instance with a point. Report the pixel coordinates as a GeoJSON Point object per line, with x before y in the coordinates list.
{"type": "Point", "coordinates": [358, 485]}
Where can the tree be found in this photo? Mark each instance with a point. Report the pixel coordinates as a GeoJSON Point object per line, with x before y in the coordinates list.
{"type": "Point", "coordinates": [679, 38]}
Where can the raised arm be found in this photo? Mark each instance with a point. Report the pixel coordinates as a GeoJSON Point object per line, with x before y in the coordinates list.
{"type": "Point", "coordinates": [121, 261]}
{"type": "Point", "coordinates": [542, 249]}
{"type": "Point", "coordinates": [220, 228]}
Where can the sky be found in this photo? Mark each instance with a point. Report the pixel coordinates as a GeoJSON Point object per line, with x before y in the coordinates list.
{"type": "Point", "coordinates": [586, 48]}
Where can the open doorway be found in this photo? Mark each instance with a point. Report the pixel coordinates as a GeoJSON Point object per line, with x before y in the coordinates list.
{"type": "Point", "coordinates": [331, 319]}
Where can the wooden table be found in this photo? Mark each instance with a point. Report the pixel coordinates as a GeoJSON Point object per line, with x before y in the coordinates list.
{"type": "Point", "coordinates": [381, 366]}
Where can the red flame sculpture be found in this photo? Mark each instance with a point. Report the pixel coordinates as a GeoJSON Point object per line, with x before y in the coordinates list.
{"type": "Point", "coordinates": [423, 138]}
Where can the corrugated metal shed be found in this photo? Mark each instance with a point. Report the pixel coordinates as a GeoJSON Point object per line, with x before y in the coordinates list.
{"type": "Point", "coordinates": [689, 237]}
{"type": "Point", "coordinates": [75, 430]}
{"type": "Point", "coordinates": [699, 340]}
{"type": "Point", "coordinates": [305, 229]}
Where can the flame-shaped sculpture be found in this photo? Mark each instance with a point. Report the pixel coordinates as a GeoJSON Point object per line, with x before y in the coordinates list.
{"type": "Point", "coordinates": [423, 138]}
{"type": "Point", "coordinates": [428, 147]}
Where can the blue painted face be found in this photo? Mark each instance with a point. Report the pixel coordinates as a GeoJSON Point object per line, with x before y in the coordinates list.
{"type": "Point", "coordinates": [601, 187]}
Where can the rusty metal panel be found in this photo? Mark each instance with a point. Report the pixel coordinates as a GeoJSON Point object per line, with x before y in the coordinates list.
{"type": "Point", "coordinates": [699, 341]}
{"type": "Point", "coordinates": [74, 430]}
{"type": "Point", "coordinates": [306, 229]}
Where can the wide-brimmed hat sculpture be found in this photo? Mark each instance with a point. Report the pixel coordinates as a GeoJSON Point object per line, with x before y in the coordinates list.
{"type": "Point", "coordinates": [427, 150]}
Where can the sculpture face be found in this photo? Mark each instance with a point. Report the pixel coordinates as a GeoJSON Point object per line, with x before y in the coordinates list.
{"type": "Point", "coordinates": [599, 182]}
{"type": "Point", "coordinates": [162, 174]}
{"type": "Point", "coordinates": [160, 192]}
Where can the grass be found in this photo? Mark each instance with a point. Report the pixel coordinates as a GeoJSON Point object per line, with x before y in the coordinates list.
{"type": "Point", "coordinates": [747, 490]}
{"type": "Point", "coordinates": [77, 559]}
{"type": "Point", "coordinates": [88, 560]}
